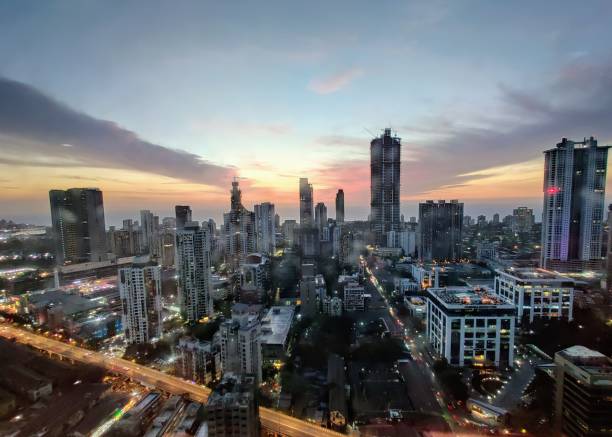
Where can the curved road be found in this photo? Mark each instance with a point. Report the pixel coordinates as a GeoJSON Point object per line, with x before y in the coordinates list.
{"type": "Point", "coordinates": [270, 419]}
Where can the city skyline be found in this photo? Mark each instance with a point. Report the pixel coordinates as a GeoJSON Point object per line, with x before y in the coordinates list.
{"type": "Point", "coordinates": [333, 219]}
{"type": "Point", "coordinates": [169, 118]}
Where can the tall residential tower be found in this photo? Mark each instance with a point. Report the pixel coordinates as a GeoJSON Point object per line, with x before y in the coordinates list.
{"type": "Point", "coordinates": [140, 294]}
{"type": "Point", "coordinates": [306, 220]}
{"type": "Point", "coordinates": [574, 192]}
{"type": "Point", "coordinates": [77, 217]}
{"type": "Point", "coordinates": [440, 227]}
{"type": "Point", "coordinates": [193, 268]}
{"type": "Point", "coordinates": [340, 206]}
{"type": "Point", "coordinates": [265, 228]}
{"type": "Point", "coordinates": [385, 185]}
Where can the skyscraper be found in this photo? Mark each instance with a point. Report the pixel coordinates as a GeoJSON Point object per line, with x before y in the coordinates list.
{"type": "Point", "coordinates": [238, 229]}
{"type": "Point", "coordinates": [320, 217]}
{"type": "Point", "coordinates": [193, 268]}
{"type": "Point", "coordinates": [440, 227]}
{"type": "Point", "coordinates": [150, 233]}
{"type": "Point", "coordinates": [574, 192]}
{"type": "Point", "coordinates": [340, 206]}
{"type": "Point", "coordinates": [305, 203]}
{"type": "Point", "coordinates": [140, 294]}
{"type": "Point", "coordinates": [183, 215]}
{"type": "Point", "coordinates": [77, 217]}
{"type": "Point", "coordinates": [385, 185]}
{"type": "Point", "coordinates": [265, 228]}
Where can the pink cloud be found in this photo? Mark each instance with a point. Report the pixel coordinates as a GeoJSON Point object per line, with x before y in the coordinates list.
{"type": "Point", "coordinates": [335, 82]}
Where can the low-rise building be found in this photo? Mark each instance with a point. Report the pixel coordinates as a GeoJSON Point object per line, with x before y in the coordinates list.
{"type": "Point", "coordinates": [536, 292]}
{"type": "Point", "coordinates": [470, 326]}
{"type": "Point", "coordinates": [25, 382]}
{"type": "Point", "coordinates": [417, 307]}
{"type": "Point", "coordinates": [404, 285]}
{"type": "Point", "coordinates": [275, 326]}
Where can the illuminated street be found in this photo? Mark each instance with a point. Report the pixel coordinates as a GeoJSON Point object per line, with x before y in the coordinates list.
{"type": "Point", "coordinates": [270, 419]}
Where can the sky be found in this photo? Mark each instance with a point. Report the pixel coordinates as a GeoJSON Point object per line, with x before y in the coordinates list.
{"type": "Point", "coordinates": [160, 103]}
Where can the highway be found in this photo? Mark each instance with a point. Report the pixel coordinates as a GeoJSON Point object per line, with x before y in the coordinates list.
{"type": "Point", "coordinates": [270, 419]}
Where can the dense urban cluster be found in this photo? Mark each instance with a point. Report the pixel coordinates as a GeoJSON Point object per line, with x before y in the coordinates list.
{"type": "Point", "coordinates": [316, 326]}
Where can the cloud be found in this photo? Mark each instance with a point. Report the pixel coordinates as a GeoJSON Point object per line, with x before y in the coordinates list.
{"type": "Point", "coordinates": [41, 131]}
{"type": "Point", "coordinates": [577, 102]}
{"type": "Point", "coordinates": [335, 82]}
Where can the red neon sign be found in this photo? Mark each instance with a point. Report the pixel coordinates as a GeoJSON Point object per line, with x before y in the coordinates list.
{"type": "Point", "coordinates": [553, 190]}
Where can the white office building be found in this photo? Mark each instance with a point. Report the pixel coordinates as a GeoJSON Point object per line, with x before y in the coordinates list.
{"type": "Point", "coordinates": [536, 293]}
{"type": "Point", "coordinates": [470, 326]}
{"type": "Point", "coordinates": [140, 294]}
{"type": "Point", "coordinates": [193, 269]}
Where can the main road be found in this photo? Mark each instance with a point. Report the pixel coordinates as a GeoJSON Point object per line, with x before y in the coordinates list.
{"type": "Point", "coordinates": [270, 419]}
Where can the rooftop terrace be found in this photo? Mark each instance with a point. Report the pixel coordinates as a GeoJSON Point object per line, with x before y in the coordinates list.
{"type": "Point", "coordinates": [464, 296]}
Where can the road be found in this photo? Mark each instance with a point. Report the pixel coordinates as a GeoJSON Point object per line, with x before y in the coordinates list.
{"type": "Point", "coordinates": [424, 391]}
{"type": "Point", "coordinates": [510, 395]}
{"type": "Point", "coordinates": [270, 419]}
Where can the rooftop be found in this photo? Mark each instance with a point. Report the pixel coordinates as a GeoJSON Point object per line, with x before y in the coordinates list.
{"type": "Point", "coordinates": [276, 324]}
{"type": "Point", "coordinates": [467, 296]}
{"type": "Point", "coordinates": [595, 363]}
{"type": "Point", "coordinates": [70, 303]}
{"type": "Point", "coordinates": [534, 274]}
{"type": "Point", "coordinates": [233, 389]}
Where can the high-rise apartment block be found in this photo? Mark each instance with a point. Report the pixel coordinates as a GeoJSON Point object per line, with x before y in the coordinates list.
{"type": "Point", "coordinates": [385, 185]}
{"type": "Point", "coordinates": [197, 360]}
{"type": "Point", "coordinates": [340, 206]}
{"type": "Point", "coordinates": [238, 229]}
{"type": "Point", "coordinates": [193, 269]}
{"type": "Point", "coordinates": [306, 218]}
{"type": "Point", "coordinates": [265, 228]}
{"type": "Point", "coordinates": [574, 192]}
{"type": "Point", "coordinates": [77, 217]}
{"type": "Point", "coordinates": [241, 342]}
{"type": "Point", "coordinates": [522, 219]}
{"type": "Point", "coordinates": [140, 294]}
{"type": "Point", "coordinates": [320, 217]}
{"type": "Point", "coordinates": [440, 230]}
{"type": "Point", "coordinates": [231, 409]}
{"type": "Point", "coordinates": [183, 215]}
